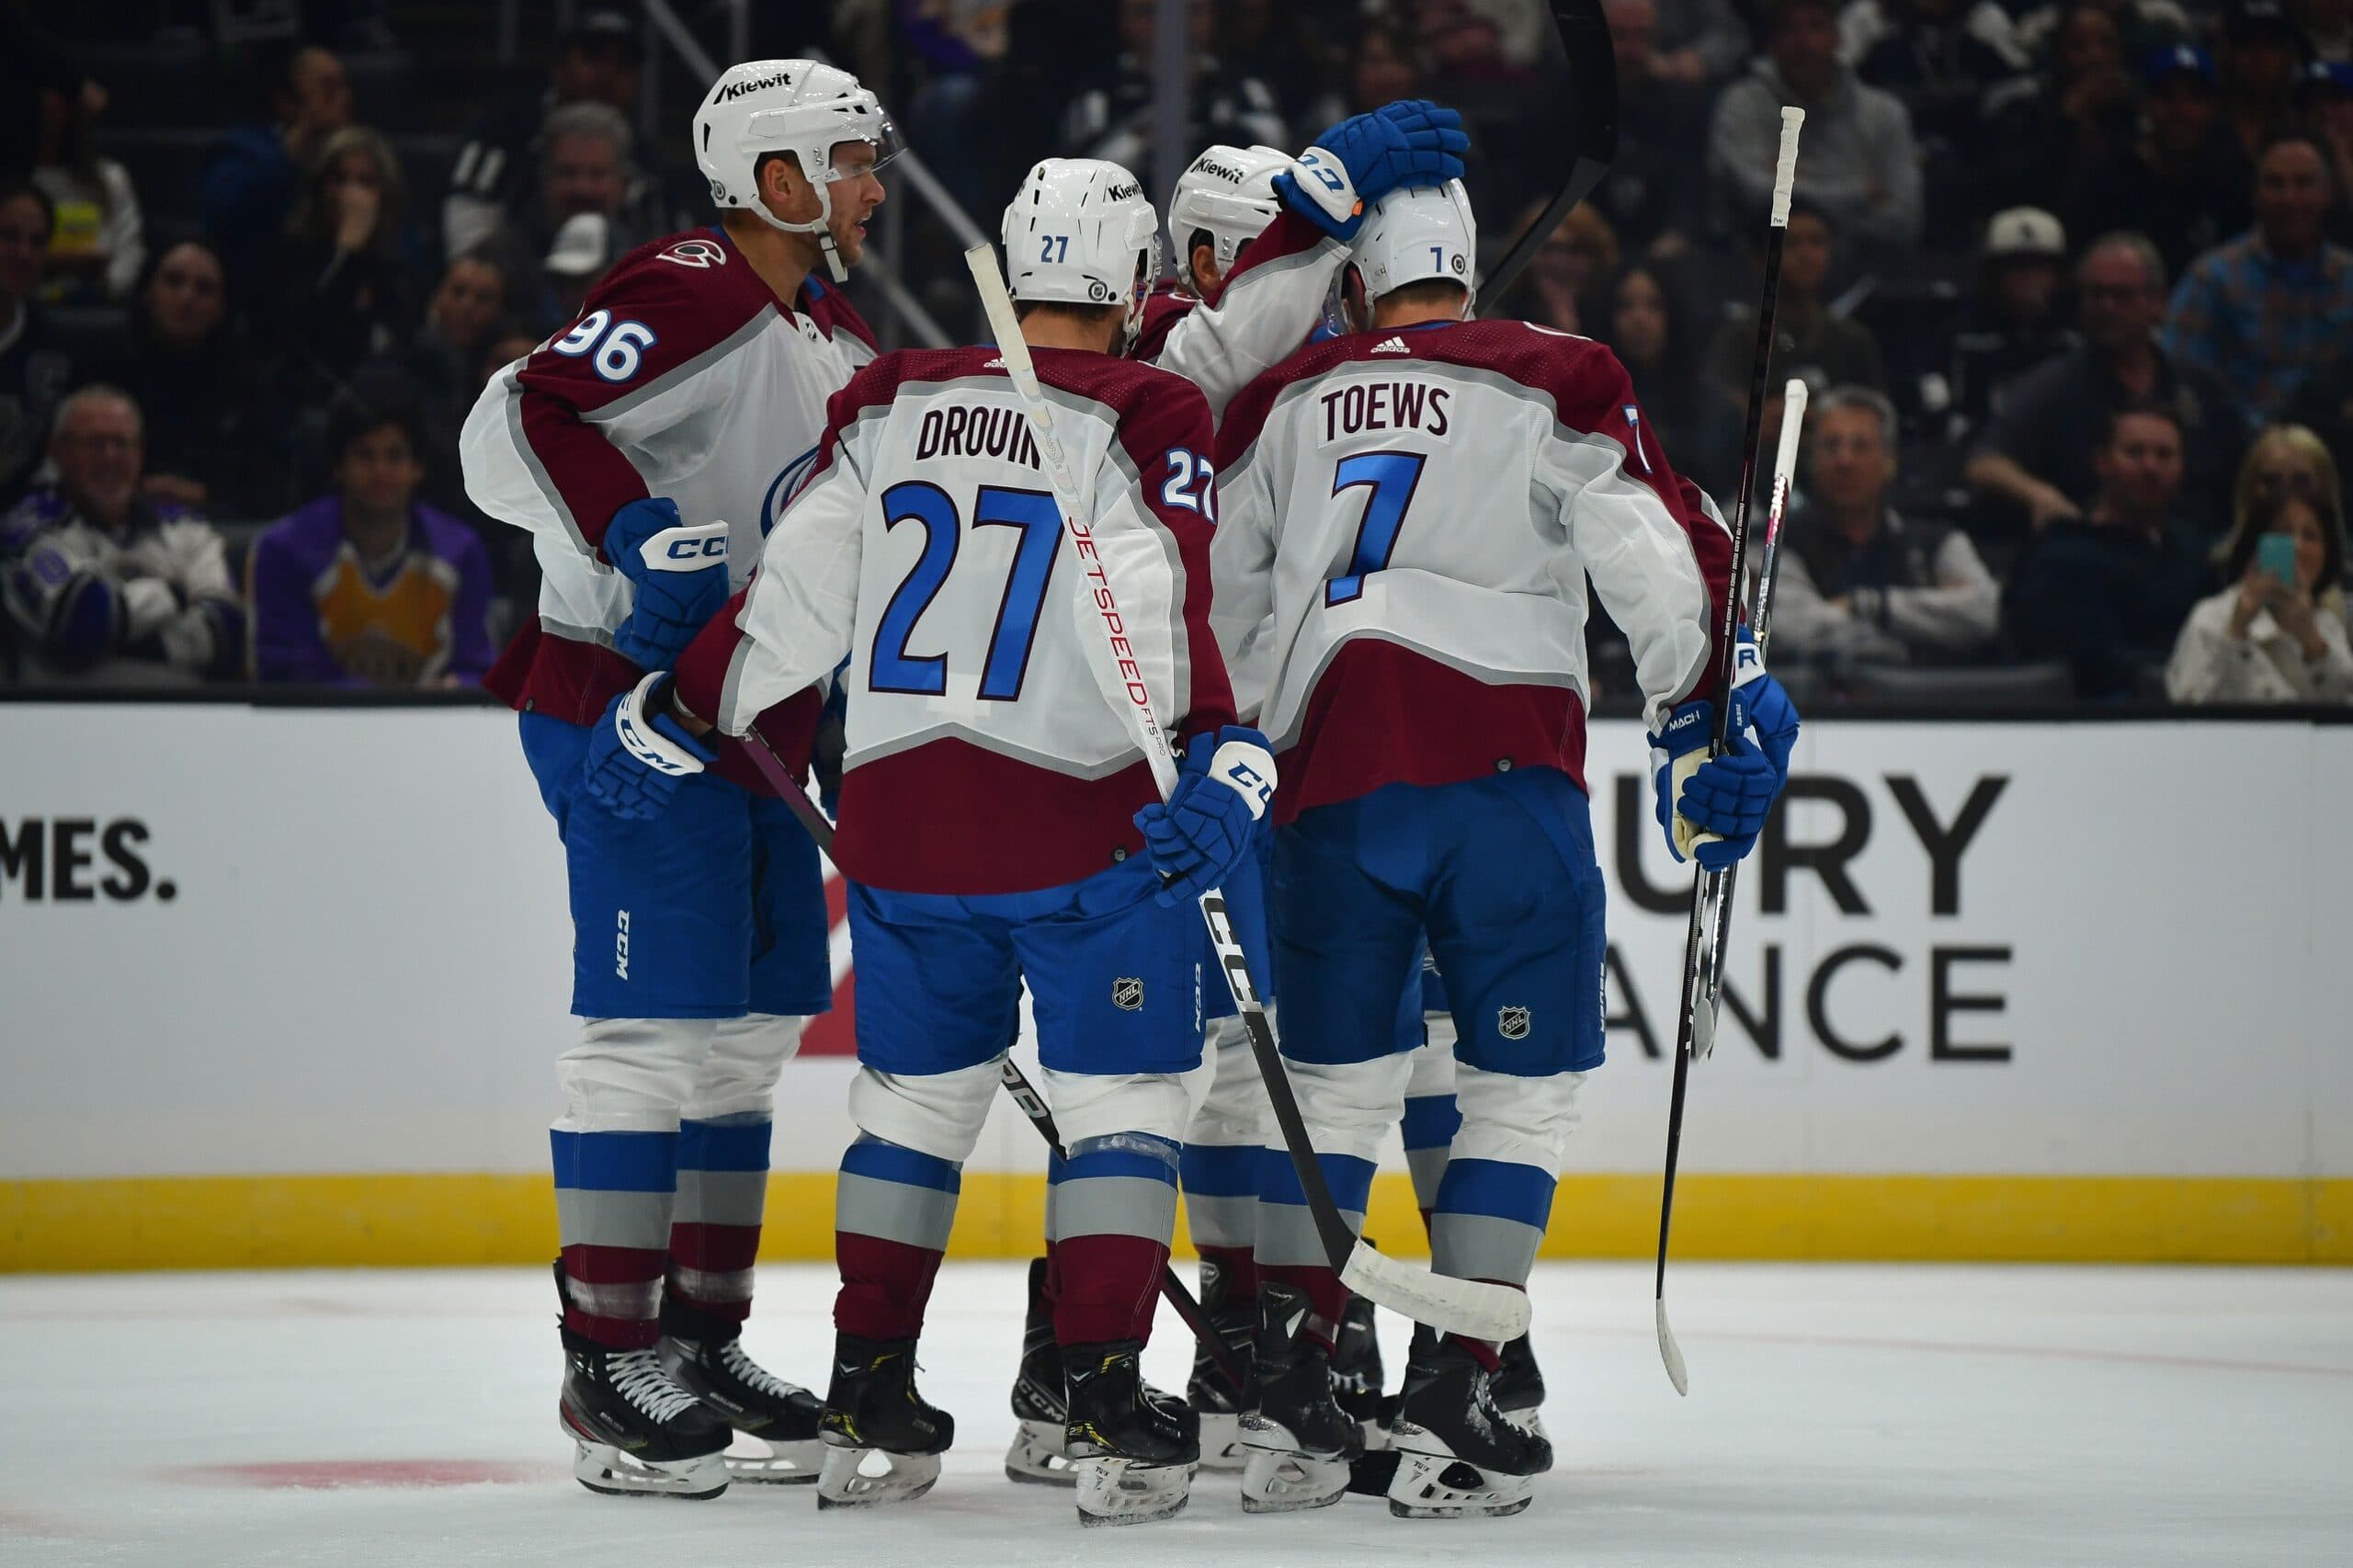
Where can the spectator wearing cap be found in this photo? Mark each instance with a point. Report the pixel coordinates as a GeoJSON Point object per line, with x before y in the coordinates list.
{"type": "Point", "coordinates": [2273, 635]}
{"type": "Point", "coordinates": [35, 368]}
{"type": "Point", "coordinates": [2015, 322]}
{"type": "Point", "coordinates": [214, 429]}
{"type": "Point", "coordinates": [101, 582]}
{"type": "Point", "coordinates": [252, 177]}
{"type": "Point", "coordinates": [2037, 454]}
{"type": "Point", "coordinates": [343, 290]}
{"type": "Point", "coordinates": [1946, 60]}
{"type": "Point", "coordinates": [1821, 349]}
{"type": "Point", "coordinates": [2260, 56]}
{"type": "Point", "coordinates": [2048, 141]}
{"type": "Point", "coordinates": [2108, 592]}
{"type": "Point", "coordinates": [599, 61]}
{"type": "Point", "coordinates": [582, 250]}
{"type": "Point", "coordinates": [1860, 581]}
{"type": "Point", "coordinates": [1861, 167]}
{"type": "Point", "coordinates": [366, 585]}
{"type": "Point", "coordinates": [2266, 309]}
{"type": "Point", "coordinates": [2184, 183]}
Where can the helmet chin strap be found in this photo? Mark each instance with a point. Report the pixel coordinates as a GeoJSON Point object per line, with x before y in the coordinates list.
{"type": "Point", "coordinates": [822, 228]}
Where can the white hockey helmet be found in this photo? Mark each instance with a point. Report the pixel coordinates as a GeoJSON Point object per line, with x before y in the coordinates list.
{"type": "Point", "coordinates": [1080, 232]}
{"type": "Point", "coordinates": [1230, 193]}
{"type": "Point", "coordinates": [787, 105]}
{"type": "Point", "coordinates": [1415, 236]}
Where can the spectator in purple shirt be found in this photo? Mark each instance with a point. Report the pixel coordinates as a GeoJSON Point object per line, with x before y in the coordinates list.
{"type": "Point", "coordinates": [368, 586]}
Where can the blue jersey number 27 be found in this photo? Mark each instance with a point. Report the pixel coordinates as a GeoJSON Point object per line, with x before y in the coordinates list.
{"type": "Point", "coordinates": [1034, 512]}
{"type": "Point", "coordinates": [1389, 479]}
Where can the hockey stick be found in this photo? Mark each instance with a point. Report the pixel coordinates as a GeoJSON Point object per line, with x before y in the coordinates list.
{"type": "Point", "coordinates": [1016, 1083]}
{"type": "Point", "coordinates": [1593, 106]}
{"type": "Point", "coordinates": [1473, 1307]}
{"type": "Point", "coordinates": [1785, 172]}
{"type": "Point", "coordinates": [1716, 921]}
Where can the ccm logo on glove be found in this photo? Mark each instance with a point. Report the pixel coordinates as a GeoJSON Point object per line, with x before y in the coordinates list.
{"type": "Point", "coordinates": [1249, 771]}
{"type": "Point", "coordinates": [687, 548]}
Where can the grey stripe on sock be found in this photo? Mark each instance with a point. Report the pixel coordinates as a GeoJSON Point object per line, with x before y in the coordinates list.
{"type": "Point", "coordinates": [1222, 1222]}
{"type": "Point", "coordinates": [1479, 1247]}
{"type": "Point", "coordinates": [721, 1198]}
{"type": "Point", "coordinates": [1286, 1237]}
{"type": "Point", "coordinates": [893, 1211]}
{"type": "Point", "coordinates": [703, 1285]}
{"type": "Point", "coordinates": [1428, 1166]}
{"type": "Point", "coordinates": [1114, 1205]}
{"type": "Point", "coordinates": [638, 1302]}
{"type": "Point", "coordinates": [597, 1219]}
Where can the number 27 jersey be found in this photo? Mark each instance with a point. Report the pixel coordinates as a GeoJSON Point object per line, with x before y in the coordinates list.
{"type": "Point", "coordinates": [925, 560]}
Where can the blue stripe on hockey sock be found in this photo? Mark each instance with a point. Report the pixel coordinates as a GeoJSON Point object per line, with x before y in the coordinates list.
{"type": "Point", "coordinates": [889, 1161]}
{"type": "Point", "coordinates": [1220, 1170]}
{"type": "Point", "coordinates": [723, 1145]}
{"type": "Point", "coordinates": [616, 1162]}
{"type": "Point", "coordinates": [1430, 1121]}
{"type": "Point", "coordinates": [1497, 1189]}
{"type": "Point", "coordinates": [1350, 1179]}
{"type": "Point", "coordinates": [1094, 1163]}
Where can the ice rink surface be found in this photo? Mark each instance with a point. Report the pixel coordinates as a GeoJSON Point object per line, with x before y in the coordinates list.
{"type": "Point", "coordinates": [1838, 1415]}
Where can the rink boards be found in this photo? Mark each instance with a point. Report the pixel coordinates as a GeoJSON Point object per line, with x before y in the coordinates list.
{"type": "Point", "coordinates": [283, 986]}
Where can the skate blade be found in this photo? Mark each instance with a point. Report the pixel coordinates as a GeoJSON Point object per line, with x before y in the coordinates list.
{"type": "Point", "coordinates": [849, 1481]}
{"type": "Point", "coordinates": [1440, 1486]}
{"type": "Point", "coordinates": [604, 1469]}
{"type": "Point", "coordinates": [1038, 1456]}
{"type": "Point", "coordinates": [1291, 1484]}
{"type": "Point", "coordinates": [1222, 1447]}
{"type": "Point", "coordinates": [1122, 1492]}
{"type": "Point", "coordinates": [772, 1463]}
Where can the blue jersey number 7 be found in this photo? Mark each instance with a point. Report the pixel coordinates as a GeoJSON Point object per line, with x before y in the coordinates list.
{"type": "Point", "coordinates": [1389, 479]}
{"type": "Point", "coordinates": [1034, 512]}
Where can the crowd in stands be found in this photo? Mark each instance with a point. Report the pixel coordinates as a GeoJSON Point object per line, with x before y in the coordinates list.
{"type": "Point", "coordinates": [2069, 283]}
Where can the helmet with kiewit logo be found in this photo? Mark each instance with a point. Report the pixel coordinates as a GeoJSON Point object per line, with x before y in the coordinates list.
{"type": "Point", "coordinates": [1080, 231]}
{"type": "Point", "coordinates": [796, 106]}
{"type": "Point", "coordinates": [1230, 193]}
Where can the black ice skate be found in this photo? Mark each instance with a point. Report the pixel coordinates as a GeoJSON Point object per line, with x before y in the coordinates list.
{"type": "Point", "coordinates": [1300, 1441]}
{"type": "Point", "coordinates": [1518, 1386]}
{"type": "Point", "coordinates": [636, 1432]}
{"type": "Point", "coordinates": [1458, 1454]}
{"type": "Point", "coordinates": [883, 1442]}
{"type": "Point", "coordinates": [1040, 1410]}
{"type": "Point", "coordinates": [1131, 1449]}
{"type": "Point", "coordinates": [1210, 1392]}
{"type": "Point", "coordinates": [704, 1352]}
{"type": "Point", "coordinates": [1356, 1368]}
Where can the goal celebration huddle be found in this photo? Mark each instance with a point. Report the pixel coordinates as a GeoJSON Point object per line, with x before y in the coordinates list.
{"type": "Point", "coordinates": [1204, 658]}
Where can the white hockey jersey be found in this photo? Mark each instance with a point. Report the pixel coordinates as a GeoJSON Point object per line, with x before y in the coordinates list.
{"type": "Point", "coordinates": [1410, 519]}
{"type": "Point", "coordinates": [1255, 320]}
{"type": "Point", "coordinates": [683, 377]}
{"type": "Point", "coordinates": [927, 551]}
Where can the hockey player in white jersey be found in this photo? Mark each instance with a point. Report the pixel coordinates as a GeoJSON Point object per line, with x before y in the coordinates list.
{"type": "Point", "coordinates": [1411, 514]}
{"type": "Point", "coordinates": [648, 446]}
{"type": "Point", "coordinates": [998, 824]}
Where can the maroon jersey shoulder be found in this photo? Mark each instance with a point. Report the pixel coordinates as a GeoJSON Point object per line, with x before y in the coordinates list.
{"type": "Point", "coordinates": [830, 309]}
{"type": "Point", "coordinates": [660, 308]}
{"type": "Point", "coordinates": [1163, 309]}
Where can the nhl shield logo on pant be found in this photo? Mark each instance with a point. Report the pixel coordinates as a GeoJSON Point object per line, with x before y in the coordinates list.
{"type": "Point", "coordinates": [1512, 1023]}
{"type": "Point", "coordinates": [1127, 993]}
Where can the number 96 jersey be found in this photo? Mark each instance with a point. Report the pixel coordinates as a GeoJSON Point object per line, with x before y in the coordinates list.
{"type": "Point", "coordinates": [925, 560]}
{"type": "Point", "coordinates": [1411, 518]}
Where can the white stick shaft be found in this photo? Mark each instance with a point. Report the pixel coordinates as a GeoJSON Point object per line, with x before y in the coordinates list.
{"type": "Point", "coordinates": [1134, 702]}
{"type": "Point", "coordinates": [1785, 468]}
{"type": "Point", "coordinates": [1785, 166]}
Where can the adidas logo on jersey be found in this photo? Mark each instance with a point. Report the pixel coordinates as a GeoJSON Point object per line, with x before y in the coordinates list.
{"type": "Point", "coordinates": [1391, 346]}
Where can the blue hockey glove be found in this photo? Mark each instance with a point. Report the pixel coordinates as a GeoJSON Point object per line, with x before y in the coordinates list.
{"type": "Point", "coordinates": [1721, 803]}
{"type": "Point", "coordinates": [1203, 831]}
{"type": "Point", "coordinates": [680, 574]}
{"type": "Point", "coordinates": [1678, 751]}
{"type": "Point", "coordinates": [639, 753]}
{"type": "Point", "coordinates": [1758, 703]}
{"type": "Point", "coordinates": [1410, 142]}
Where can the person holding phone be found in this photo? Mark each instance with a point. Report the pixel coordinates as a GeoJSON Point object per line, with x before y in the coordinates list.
{"type": "Point", "coordinates": [2278, 633]}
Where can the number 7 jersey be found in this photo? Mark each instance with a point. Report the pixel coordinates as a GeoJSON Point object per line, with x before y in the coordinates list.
{"type": "Point", "coordinates": [1411, 518]}
{"type": "Point", "coordinates": [925, 561]}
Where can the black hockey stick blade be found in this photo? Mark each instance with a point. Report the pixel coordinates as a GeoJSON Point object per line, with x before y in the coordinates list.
{"type": "Point", "coordinates": [1593, 109]}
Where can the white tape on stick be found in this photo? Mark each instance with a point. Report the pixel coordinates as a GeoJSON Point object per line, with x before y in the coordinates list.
{"type": "Point", "coordinates": [1785, 166]}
